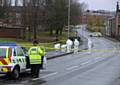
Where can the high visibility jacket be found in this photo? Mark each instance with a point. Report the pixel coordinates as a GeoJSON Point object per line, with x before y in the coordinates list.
{"type": "Point", "coordinates": [35, 55]}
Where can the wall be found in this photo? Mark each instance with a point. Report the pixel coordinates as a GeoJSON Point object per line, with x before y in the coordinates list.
{"type": "Point", "coordinates": [10, 33]}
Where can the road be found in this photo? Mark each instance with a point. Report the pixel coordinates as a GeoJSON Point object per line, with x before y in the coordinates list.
{"type": "Point", "coordinates": [100, 67]}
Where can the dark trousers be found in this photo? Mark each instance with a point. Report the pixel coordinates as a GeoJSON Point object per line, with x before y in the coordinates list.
{"type": "Point", "coordinates": [42, 60]}
{"type": "Point", "coordinates": [35, 68]}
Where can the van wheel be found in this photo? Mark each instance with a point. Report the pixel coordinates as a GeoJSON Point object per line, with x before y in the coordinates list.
{"type": "Point", "coordinates": [16, 73]}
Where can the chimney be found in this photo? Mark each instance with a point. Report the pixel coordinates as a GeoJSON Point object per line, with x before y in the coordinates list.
{"type": "Point", "coordinates": [117, 7]}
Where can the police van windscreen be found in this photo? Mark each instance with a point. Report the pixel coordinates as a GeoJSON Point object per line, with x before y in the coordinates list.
{"type": "Point", "coordinates": [2, 52]}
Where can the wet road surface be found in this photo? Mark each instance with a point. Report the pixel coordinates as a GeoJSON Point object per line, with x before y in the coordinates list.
{"type": "Point", "coordinates": [100, 67]}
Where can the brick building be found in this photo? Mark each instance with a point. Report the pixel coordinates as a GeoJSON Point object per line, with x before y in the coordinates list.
{"type": "Point", "coordinates": [11, 27]}
{"type": "Point", "coordinates": [11, 32]}
{"type": "Point", "coordinates": [95, 18]}
{"type": "Point", "coordinates": [117, 21]}
{"type": "Point", "coordinates": [113, 24]}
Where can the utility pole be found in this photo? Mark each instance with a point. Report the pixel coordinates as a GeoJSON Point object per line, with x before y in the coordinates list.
{"type": "Point", "coordinates": [69, 18]}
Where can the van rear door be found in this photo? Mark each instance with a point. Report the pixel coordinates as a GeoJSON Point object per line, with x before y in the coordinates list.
{"type": "Point", "coordinates": [3, 56]}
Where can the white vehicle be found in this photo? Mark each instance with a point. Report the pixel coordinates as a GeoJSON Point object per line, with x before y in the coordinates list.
{"type": "Point", "coordinates": [12, 60]}
{"type": "Point", "coordinates": [96, 34]}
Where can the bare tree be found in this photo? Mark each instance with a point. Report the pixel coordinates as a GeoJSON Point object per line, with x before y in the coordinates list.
{"type": "Point", "coordinates": [49, 13]}
{"type": "Point", "coordinates": [57, 14]}
{"type": "Point", "coordinates": [33, 12]}
{"type": "Point", "coordinates": [1, 9]}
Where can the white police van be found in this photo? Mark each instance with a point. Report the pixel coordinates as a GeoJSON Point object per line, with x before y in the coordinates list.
{"type": "Point", "coordinates": [13, 60]}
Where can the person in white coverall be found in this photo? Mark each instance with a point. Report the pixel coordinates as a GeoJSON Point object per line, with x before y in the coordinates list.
{"type": "Point", "coordinates": [89, 45]}
{"type": "Point", "coordinates": [69, 43]}
{"type": "Point", "coordinates": [76, 46]}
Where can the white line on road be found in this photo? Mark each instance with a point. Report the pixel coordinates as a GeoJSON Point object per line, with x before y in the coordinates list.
{"type": "Point", "coordinates": [86, 63]}
{"type": "Point", "coordinates": [24, 81]}
{"type": "Point", "coordinates": [49, 75]}
{"type": "Point", "coordinates": [73, 67]}
{"type": "Point", "coordinates": [80, 67]}
{"type": "Point", "coordinates": [46, 76]}
{"type": "Point", "coordinates": [75, 70]}
{"type": "Point", "coordinates": [36, 78]}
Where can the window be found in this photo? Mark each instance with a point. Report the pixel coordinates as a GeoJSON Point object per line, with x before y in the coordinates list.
{"type": "Point", "coordinates": [9, 52]}
{"type": "Point", "coordinates": [2, 52]}
{"type": "Point", "coordinates": [25, 50]}
{"type": "Point", "coordinates": [19, 52]}
{"type": "Point", "coordinates": [14, 52]}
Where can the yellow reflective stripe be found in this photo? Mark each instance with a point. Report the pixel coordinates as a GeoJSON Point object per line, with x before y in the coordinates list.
{"type": "Point", "coordinates": [35, 61]}
{"type": "Point", "coordinates": [5, 69]}
{"type": "Point", "coordinates": [7, 53]}
{"type": "Point", "coordinates": [1, 63]}
{"type": "Point", "coordinates": [7, 60]}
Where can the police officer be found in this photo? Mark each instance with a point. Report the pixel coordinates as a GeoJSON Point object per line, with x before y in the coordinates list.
{"type": "Point", "coordinates": [35, 55]}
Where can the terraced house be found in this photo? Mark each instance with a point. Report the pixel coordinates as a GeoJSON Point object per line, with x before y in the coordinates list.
{"type": "Point", "coordinates": [113, 25]}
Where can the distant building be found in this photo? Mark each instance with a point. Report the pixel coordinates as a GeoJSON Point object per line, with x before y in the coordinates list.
{"type": "Point", "coordinates": [113, 24]}
{"type": "Point", "coordinates": [117, 21]}
{"type": "Point", "coordinates": [14, 16]}
{"type": "Point", "coordinates": [110, 27]}
{"type": "Point", "coordinates": [11, 27]}
{"type": "Point", "coordinates": [95, 18]}
{"type": "Point", "coordinates": [99, 13]}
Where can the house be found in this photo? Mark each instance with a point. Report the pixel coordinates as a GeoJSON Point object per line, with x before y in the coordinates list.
{"type": "Point", "coordinates": [113, 24]}
{"type": "Point", "coordinates": [117, 21]}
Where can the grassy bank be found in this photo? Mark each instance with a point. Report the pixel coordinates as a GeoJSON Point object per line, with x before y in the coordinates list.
{"type": "Point", "coordinates": [45, 43]}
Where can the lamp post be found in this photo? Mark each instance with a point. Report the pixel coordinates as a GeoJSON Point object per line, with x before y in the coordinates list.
{"type": "Point", "coordinates": [69, 18]}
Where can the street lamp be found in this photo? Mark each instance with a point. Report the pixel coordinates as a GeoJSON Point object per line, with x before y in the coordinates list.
{"type": "Point", "coordinates": [68, 18]}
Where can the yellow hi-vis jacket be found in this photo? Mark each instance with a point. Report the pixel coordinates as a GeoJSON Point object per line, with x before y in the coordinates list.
{"type": "Point", "coordinates": [35, 55]}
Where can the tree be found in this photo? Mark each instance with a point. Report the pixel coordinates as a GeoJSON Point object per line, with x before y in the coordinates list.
{"type": "Point", "coordinates": [61, 7]}
{"type": "Point", "coordinates": [2, 11]}
{"type": "Point", "coordinates": [57, 11]}
{"type": "Point", "coordinates": [76, 11]}
{"type": "Point", "coordinates": [52, 14]}
{"type": "Point", "coordinates": [4, 8]}
{"type": "Point", "coordinates": [32, 15]}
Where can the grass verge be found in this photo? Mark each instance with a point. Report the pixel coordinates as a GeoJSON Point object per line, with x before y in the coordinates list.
{"type": "Point", "coordinates": [49, 46]}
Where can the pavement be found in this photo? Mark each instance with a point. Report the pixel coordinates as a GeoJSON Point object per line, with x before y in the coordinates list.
{"type": "Point", "coordinates": [111, 38]}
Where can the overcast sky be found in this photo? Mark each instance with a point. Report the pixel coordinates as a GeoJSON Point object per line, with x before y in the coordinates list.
{"type": "Point", "coordinates": [109, 5]}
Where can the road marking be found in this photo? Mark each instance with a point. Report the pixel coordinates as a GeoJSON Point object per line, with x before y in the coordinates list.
{"type": "Point", "coordinates": [73, 67]}
{"type": "Point", "coordinates": [86, 63]}
{"type": "Point", "coordinates": [36, 79]}
{"type": "Point", "coordinates": [46, 76]}
{"type": "Point", "coordinates": [80, 67]}
{"type": "Point", "coordinates": [25, 81]}
{"type": "Point", "coordinates": [74, 70]}
{"type": "Point", "coordinates": [49, 75]}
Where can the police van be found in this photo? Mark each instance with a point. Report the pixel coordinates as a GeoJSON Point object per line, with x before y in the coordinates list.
{"type": "Point", "coordinates": [13, 60]}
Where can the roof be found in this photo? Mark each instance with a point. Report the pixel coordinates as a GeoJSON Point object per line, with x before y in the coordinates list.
{"type": "Point", "coordinates": [8, 44]}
